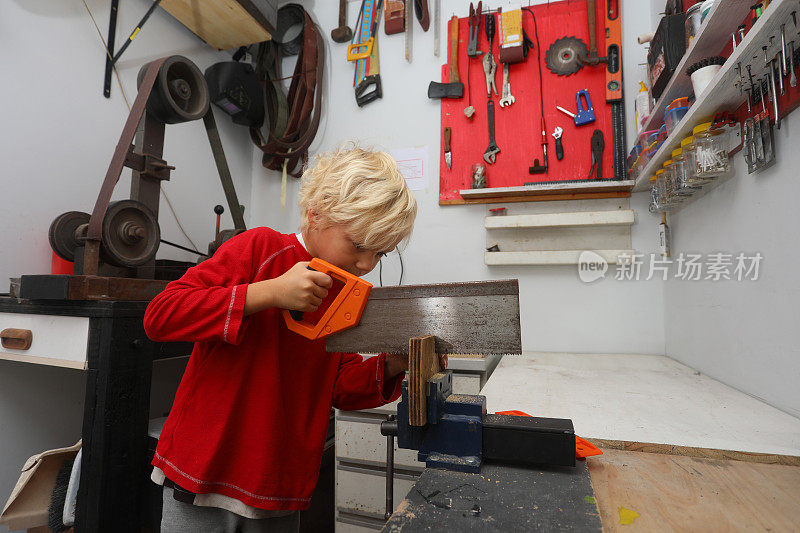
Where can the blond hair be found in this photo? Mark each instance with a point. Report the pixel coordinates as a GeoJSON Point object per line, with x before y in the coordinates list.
{"type": "Point", "coordinates": [362, 190]}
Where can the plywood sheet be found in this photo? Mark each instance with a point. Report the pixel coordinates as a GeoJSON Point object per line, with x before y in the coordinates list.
{"type": "Point", "coordinates": [672, 493]}
{"type": "Point", "coordinates": [422, 364]}
{"type": "Point", "coordinates": [224, 24]}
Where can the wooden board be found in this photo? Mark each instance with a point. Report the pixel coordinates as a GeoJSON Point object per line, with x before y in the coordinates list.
{"type": "Point", "coordinates": [702, 453]}
{"type": "Point", "coordinates": [673, 493]}
{"type": "Point", "coordinates": [422, 364]}
{"type": "Point", "coordinates": [515, 198]}
{"type": "Point", "coordinates": [224, 24]}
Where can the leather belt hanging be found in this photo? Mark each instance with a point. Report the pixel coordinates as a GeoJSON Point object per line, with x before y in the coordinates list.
{"type": "Point", "coordinates": [293, 118]}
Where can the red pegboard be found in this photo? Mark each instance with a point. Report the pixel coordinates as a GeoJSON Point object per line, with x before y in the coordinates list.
{"type": "Point", "coordinates": [517, 127]}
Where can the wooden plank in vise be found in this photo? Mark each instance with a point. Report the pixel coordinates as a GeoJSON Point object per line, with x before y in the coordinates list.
{"type": "Point", "coordinates": [422, 364]}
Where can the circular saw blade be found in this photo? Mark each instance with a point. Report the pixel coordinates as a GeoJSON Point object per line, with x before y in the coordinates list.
{"type": "Point", "coordinates": [563, 56]}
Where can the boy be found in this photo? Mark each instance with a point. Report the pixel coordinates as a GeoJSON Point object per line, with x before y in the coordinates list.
{"type": "Point", "coordinates": [241, 448]}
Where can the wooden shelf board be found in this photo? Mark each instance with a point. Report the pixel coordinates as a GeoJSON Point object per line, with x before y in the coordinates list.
{"type": "Point", "coordinates": [550, 189]}
{"type": "Point", "coordinates": [542, 198]}
{"type": "Point", "coordinates": [224, 24]}
{"type": "Point", "coordinates": [562, 220]}
{"type": "Point", "coordinates": [548, 257]}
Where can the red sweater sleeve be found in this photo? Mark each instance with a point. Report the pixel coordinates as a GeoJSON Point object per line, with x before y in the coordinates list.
{"type": "Point", "coordinates": [360, 383]}
{"type": "Point", "coordinates": [207, 303]}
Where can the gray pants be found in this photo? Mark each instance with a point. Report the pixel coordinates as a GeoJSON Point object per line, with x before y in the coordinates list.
{"type": "Point", "coordinates": [179, 517]}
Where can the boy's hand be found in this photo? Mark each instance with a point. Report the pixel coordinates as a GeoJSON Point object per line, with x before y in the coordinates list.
{"type": "Point", "coordinates": [396, 363]}
{"type": "Point", "coordinates": [298, 289]}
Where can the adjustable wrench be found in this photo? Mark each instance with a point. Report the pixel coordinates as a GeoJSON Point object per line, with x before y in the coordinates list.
{"type": "Point", "coordinates": [508, 98]}
{"type": "Point", "coordinates": [490, 155]}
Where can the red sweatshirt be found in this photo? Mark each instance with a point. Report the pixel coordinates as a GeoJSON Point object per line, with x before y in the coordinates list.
{"type": "Point", "coordinates": [251, 413]}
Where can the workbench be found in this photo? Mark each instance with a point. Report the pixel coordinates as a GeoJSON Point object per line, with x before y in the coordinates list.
{"type": "Point", "coordinates": [107, 339]}
{"type": "Point", "coordinates": [682, 451]}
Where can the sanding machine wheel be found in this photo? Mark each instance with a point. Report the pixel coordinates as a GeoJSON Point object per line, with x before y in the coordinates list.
{"type": "Point", "coordinates": [65, 233]}
{"type": "Point", "coordinates": [180, 93]}
{"type": "Point", "coordinates": [564, 56]}
{"type": "Point", "coordinates": [131, 235]}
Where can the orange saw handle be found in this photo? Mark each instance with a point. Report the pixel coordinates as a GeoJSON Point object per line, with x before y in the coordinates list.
{"type": "Point", "coordinates": [345, 310]}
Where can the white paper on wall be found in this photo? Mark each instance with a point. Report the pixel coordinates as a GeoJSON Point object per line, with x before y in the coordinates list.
{"type": "Point", "coordinates": [413, 165]}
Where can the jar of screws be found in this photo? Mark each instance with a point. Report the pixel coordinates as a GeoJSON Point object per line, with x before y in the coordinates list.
{"type": "Point", "coordinates": [711, 155]}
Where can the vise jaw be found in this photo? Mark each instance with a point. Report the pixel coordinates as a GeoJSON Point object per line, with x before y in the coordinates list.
{"type": "Point", "coordinates": [452, 438]}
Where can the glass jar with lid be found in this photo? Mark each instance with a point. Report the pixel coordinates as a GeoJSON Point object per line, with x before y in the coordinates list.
{"type": "Point", "coordinates": [661, 187]}
{"type": "Point", "coordinates": [710, 153]}
{"type": "Point", "coordinates": [693, 20]}
{"type": "Point", "coordinates": [689, 164]}
{"type": "Point", "coordinates": [655, 200]}
{"type": "Point", "coordinates": [682, 185]}
{"type": "Point", "coordinates": [669, 182]}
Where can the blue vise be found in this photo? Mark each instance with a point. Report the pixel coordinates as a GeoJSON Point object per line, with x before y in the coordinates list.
{"type": "Point", "coordinates": [459, 435]}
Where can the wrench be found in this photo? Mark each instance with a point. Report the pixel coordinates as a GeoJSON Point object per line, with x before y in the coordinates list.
{"type": "Point", "coordinates": [508, 98]}
{"type": "Point", "coordinates": [559, 147]}
{"type": "Point", "coordinates": [792, 76]}
{"type": "Point", "coordinates": [490, 155]}
{"type": "Point", "coordinates": [489, 69]}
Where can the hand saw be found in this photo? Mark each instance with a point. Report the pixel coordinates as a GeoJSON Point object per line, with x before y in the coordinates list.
{"type": "Point", "coordinates": [473, 317]}
{"type": "Point", "coordinates": [367, 78]}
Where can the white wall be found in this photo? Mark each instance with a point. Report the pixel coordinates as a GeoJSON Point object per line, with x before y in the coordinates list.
{"type": "Point", "coordinates": [744, 333]}
{"type": "Point", "coordinates": [59, 132]}
{"type": "Point", "coordinates": [558, 312]}
{"type": "Point", "coordinates": [57, 137]}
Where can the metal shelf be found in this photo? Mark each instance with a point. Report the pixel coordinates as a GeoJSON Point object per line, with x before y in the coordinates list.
{"type": "Point", "coordinates": [723, 93]}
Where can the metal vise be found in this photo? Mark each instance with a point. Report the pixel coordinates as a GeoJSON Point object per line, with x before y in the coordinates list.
{"type": "Point", "coordinates": [459, 435]}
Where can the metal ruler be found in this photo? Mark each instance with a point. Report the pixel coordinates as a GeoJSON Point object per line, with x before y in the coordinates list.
{"type": "Point", "coordinates": [618, 132]}
{"type": "Point", "coordinates": [409, 5]}
{"type": "Point", "coordinates": [437, 26]}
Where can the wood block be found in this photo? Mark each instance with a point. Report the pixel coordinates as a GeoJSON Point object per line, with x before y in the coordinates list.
{"type": "Point", "coordinates": [673, 493]}
{"type": "Point", "coordinates": [224, 24]}
{"type": "Point", "coordinates": [422, 364]}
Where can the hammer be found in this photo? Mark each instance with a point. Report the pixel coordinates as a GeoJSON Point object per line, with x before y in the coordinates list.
{"type": "Point", "coordinates": [342, 34]}
{"type": "Point", "coordinates": [454, 89]}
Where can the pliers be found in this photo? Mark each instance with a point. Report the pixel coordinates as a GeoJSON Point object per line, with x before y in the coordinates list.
{"type": "Point", "coordinates": [598, 144]}
{"type": "Point", "coordinates": [474, 27]}
{"type": "Point", "coordinates": [489, 70]}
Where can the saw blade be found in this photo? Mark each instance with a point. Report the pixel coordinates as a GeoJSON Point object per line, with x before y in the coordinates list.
{"type": "Point", "coordinates": [476, 317]}
{"type": "Point", "coordinates": [564, 56]}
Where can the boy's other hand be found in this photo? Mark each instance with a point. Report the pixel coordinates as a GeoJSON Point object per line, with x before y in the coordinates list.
{"type": "Point", "coordinates": [298, 289]}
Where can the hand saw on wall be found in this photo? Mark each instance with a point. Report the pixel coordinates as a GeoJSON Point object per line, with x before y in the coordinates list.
{"type": "Point", "coordinates": [364, 51]}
